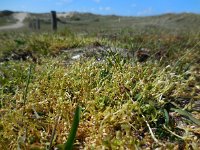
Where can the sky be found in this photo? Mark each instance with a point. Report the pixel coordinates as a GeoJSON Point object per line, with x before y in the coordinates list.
{"type": "Point", "coordinates": [104, 7]}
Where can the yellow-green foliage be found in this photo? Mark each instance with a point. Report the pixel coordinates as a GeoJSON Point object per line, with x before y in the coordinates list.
{"type": "Point", "coordinates": [53, 43]}
{"type": "Point", "coordinates": [114, 95]}
{"type": "Point", "coordinates": [44, 44]}
{"type": "Point", "coordinates": [125, 104]}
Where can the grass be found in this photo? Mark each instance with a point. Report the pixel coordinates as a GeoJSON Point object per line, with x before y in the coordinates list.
{"type": "Point", "coordinates": [125, 104]}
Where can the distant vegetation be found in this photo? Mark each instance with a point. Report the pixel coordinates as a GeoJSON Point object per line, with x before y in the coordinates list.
{"type": "Point", "coordinates": [6, 17]}
{"type": "Point", "coordinates": [125, 82]}
{"type": "Point", "coordinates": [87, 22]}
{"type": "Point", "coordinates": [6, 13]}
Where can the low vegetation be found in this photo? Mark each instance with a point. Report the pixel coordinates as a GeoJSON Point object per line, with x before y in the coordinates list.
{"type": "Point", "coordinates": [6, 17]}
{"type": "Point", "coordinates": [123, 101]}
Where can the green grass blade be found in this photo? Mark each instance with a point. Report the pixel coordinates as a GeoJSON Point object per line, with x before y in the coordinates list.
{"type": "Point", "coordinates": [187, 114]}
{"type": "Point", "coordinates": [70, 141]}
{"type": "Point", "coordinates": [166, 117]}
{"type": "Point", "coordinates": [27, 84]}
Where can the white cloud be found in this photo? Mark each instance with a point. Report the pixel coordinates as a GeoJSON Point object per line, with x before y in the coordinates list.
{"type": "Point", "coordinates": [59, 3]}
{"type": "Point", "coordinates": [62, 2]}
{"type": "Point", "coordinates": [105, 8]}
{"type": "Point", "coordinates": [92, 9]}
{"type": "Point", "coordinates": [23, 7]}
{"type": "Point", "coordinates": [85, 9]}
{"type": "Point", "coordinates": [133, 5]}
{"type": "Point", "coordinates": [145, 12]}
{"type": "Point", "coordinates": [97, 1]}
{"type": "Point", "coordinates": [66, 1]}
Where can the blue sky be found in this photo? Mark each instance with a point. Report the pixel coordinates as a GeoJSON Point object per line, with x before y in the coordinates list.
{"type": "Point", "coordinates": [118, 7]}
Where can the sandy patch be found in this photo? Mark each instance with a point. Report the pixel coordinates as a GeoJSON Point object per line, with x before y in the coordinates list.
{"type": "Point", "coordinates": [64, 15]}
{"type": "Point", "coordinates": [20, 18]}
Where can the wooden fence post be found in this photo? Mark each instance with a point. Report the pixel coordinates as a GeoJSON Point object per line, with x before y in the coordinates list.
{"type": "Point", "coordinates": [38, 24]}
{"type": "Point", "coordinates": [53, 20]}
{"type": "Point", "coordinates": [31, 24]}
{"type": "Point", "coordinates": [34, 24]}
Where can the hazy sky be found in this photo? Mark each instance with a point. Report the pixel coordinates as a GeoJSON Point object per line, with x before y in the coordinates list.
{"type": "Point", "coordinates": [118, 7]}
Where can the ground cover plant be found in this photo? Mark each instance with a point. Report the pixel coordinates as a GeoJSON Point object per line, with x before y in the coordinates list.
{"type": "Point", "coordinates": [126, 102]}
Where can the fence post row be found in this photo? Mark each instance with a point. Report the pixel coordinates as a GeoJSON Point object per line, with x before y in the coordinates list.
{"type": "Point", "coordinates": [35, 24]}
{"type": "Point", "coordinates": [38, 24]}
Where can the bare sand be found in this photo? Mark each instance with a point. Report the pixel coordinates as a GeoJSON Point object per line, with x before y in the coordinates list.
{"type": "Point", "coordinates": [20, 18]}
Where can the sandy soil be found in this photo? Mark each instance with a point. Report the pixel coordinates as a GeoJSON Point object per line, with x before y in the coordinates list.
{"type": "Point", "coordinates": [20, 18]}
{"type": "Point", "coordinates": [64, 15]}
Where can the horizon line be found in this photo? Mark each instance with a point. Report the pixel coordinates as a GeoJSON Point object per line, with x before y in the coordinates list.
{"type": "Point", "coordinates": [109, 14]}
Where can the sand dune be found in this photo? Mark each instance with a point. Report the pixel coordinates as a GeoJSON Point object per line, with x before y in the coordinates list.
{"type": "Point", "coordinates": [20, 18]}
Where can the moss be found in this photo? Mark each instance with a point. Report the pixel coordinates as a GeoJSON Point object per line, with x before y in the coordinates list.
{"type": "Point", "coordinates": [125, 104]}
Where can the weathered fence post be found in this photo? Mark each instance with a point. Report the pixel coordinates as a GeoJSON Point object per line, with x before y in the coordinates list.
{"type": "Point", "coordinates": [53, 20]}
{"type": "Point", "coordinates": [38, 24]}
{"type": "Point", "coordinates": [30, 24]}
{"type": "Point", "coordinates": [34, 24]}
